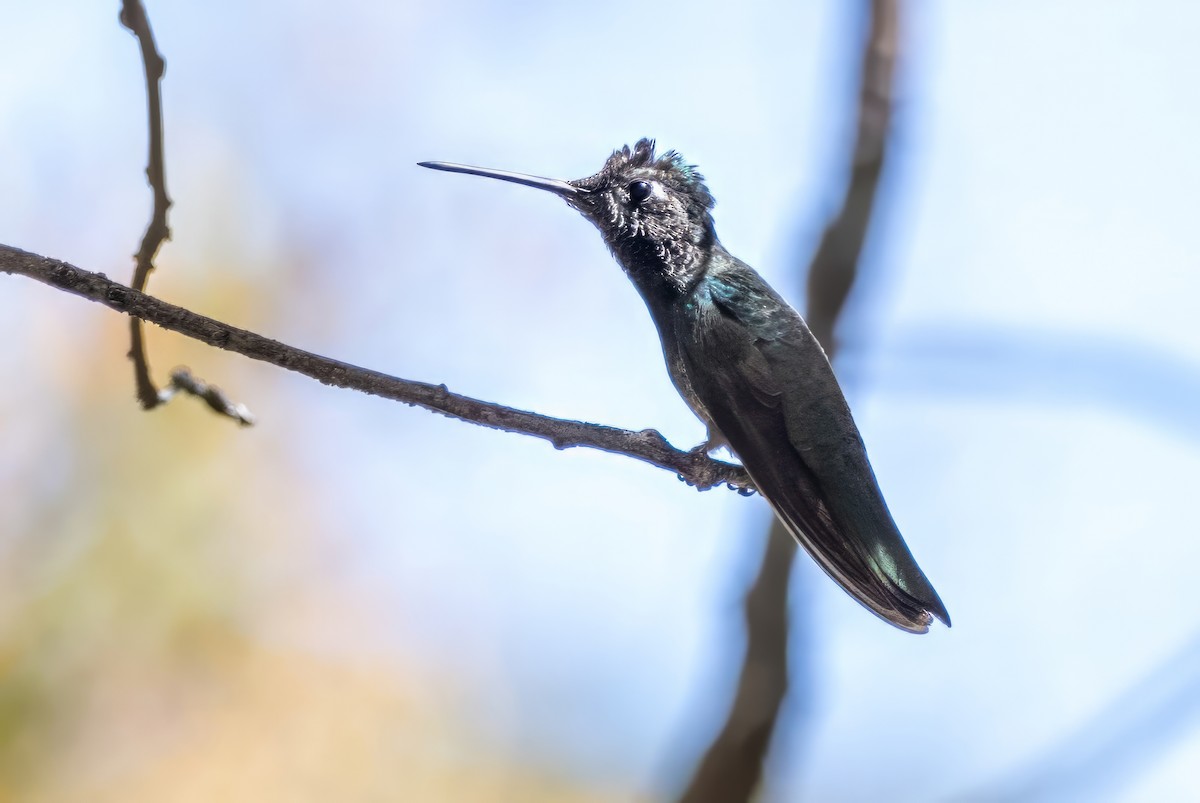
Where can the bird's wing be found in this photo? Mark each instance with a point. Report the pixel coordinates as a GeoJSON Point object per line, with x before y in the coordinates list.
{"type": "Point", "coordinates": [736, 375]}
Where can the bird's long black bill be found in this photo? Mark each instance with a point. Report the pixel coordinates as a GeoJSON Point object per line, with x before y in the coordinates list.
{"type": "Point", "coordinates": [557, 186]}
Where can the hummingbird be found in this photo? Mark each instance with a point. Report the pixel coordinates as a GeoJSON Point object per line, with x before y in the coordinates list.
{"type": "Point", "coordinates": [747, 365]}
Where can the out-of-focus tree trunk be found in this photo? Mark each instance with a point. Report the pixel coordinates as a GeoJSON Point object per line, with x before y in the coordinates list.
{"type": "Point", "coordinates": [732, 767]}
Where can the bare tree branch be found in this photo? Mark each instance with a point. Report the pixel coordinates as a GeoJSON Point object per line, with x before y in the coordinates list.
{"type": "Point", "coordinates": [693, 467]}
{"type": "Point", "coordinates": [133, 16]}
{"type": "Point", "coordinates": [732, 767]}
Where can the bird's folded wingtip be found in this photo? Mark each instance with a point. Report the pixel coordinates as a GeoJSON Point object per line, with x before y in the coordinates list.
{"type": "Point", "coordinates": [938, 609]}
{"type": "Point", "coordinates": [909, 614]}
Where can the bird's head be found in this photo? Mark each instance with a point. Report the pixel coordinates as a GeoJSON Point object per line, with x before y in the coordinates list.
{"type": "Point", "coordinates": [654, 212]}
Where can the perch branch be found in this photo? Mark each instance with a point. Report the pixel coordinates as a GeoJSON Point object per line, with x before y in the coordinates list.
{"type": "Point", "coordinates": [693, 467]}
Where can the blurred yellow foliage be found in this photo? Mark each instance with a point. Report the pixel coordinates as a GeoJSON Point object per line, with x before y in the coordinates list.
{"type": "Point", "coordinates": [154, 550]}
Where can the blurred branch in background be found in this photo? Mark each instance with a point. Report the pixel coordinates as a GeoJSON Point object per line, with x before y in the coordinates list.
{"type": "Point", "coordinates": [1140, 380]}
{"type": "Point", "coordinates": [133, 16]}
{"type": "Point", "coordinates": [1111, 747]}
{"type": "Point", "coordinates": [694, 467]}
{"type": "Point", "coordinates": [835, 265]}
{"type": "Point", "coordinates": [732, 767]}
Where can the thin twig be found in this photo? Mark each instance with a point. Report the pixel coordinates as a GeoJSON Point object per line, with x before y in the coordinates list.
{"type": "Point", "coordinates": [133, 16]}
{"type": "Point", "coordinates": [183, 381]}
{"type": "Point", "coordinates": [693, 467]}
{"type": "Point", "coordinates": [731, 768]}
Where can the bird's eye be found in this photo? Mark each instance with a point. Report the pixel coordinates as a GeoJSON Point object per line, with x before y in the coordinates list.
{"type": "Point", "coordinates": [639, 191]}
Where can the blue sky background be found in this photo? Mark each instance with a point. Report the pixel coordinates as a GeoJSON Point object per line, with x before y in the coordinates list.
{"type": "Point", "coordinates": [1022, 358]}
